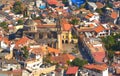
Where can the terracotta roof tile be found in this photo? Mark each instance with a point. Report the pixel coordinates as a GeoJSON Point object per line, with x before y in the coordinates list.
{"type": "Point", "coordinates": [117, 53]}
{"type": "Point", "coordinates": [91, 25]}
{"type": "Point", "coordinates": [89, 15]}
{"type": "Point", "coordinates": [53, 50]}
{"type": "Point", "coordinates": [22, 41]}
{"type": "Point", "coordinates": [66, 26]}
{"type": "Point", "coordinates": [114, 15]}
{"type": "Point", "coordinates": [116, 4]}
{"type": "Point", "coordinates": [72, 70]}
{"type": "Point", "coordinates": [51, 2]}
{"type": "Point", "coordinates": [6, 40]}
{"type": "Point", "coordinates": [99, 5]}
{"type": "Point", "coordinates": [62, 58]}
{"type": "Point", "coordinates": [98, 56]}
{"type": "Point", "coordinates": [99, 28]}
{"type": "Point", "coordinates": [100, 67]}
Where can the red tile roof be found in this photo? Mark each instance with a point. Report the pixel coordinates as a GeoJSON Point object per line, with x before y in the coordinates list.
{"type": "Point", "coordinates": [89, 15]}
{"type": "Point", "coordinates": [99, 28]}
{"type": "Point", "coordinates": [99, 5]}
{"type": "Point", "coordinates": [22, 41]}
{"type": "Point", "coordinates": [117, 53]}
{"type": "Point", "coordinates": [66, 26]}
{"type": "Point", "coordinates": [100, 67]}
{"type": "Point", "coordinates": [114, 15]}
{"type": "Point", "coordinates": [62, 58]}
{"type": "Point", "coordinates": [116, 4]}
{"type": "Point", "coordinates": [98, 56]}
{"type": "Point", "coordinates": [36, 50]}
{"type": "Point", "coordinates": [6, 41]}
{"type": "Point", "coordinates": [52, 2]}
{"type": "Point", "coordinates": [91, 25]}
{"type": "Point", "coordinates": [53, 50]}
{"type": "Point", "coordinates": [72, 70]}
{"type": "Point", "coordinates": [1, 38]}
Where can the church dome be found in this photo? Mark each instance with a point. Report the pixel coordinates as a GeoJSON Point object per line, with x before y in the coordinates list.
{"type": "Point", "coordinates": [29, 22]}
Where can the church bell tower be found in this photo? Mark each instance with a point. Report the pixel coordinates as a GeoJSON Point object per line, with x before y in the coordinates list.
{"type": "Point", "coordinates": [59, 31]}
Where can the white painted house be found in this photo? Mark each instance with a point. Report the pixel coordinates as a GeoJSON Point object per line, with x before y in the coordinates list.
{"type": "Point", "coordinates": [34, 63]}
{"type": "Point", "coordinates": [96, 69]}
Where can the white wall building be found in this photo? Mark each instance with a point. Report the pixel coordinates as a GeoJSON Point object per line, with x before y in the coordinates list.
{"type": "Point", "coordinates": [34, 64]}
{"type": "Point", "coordinates": [96, 69]}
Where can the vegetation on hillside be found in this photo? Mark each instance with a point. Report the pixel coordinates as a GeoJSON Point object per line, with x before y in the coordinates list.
{"type": "Point", "coordinates": [78, 62]}
{"type": "Point", "coordinates": [18, 7]}
{"type": "Point", "coordinates": [112, 44]}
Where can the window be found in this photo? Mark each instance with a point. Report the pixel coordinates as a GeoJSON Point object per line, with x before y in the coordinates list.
{"type": "Point", "coordinates": [33, 65]}
{"type": "Point", "coordinates": [66, 36]}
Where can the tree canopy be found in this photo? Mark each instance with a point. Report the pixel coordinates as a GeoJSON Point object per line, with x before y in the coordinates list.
{"type": "Point", "coordinates": [25, 52]}
{"type": "Point", "coordinates": [20, 22]}
{"type": "Point", "coordinates": [74, 21]}
{"type": "Point", "coordinates": [78, 62]}
{"type": "Point", "coordinates": [4, 25]}
{"type": "Point", "coordinates": [112, 42]}
{"type": "Point", "coordinates": [18, 7]}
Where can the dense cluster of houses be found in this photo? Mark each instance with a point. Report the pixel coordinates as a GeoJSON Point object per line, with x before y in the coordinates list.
{"type": "Point", "coordinates": [35, 47]}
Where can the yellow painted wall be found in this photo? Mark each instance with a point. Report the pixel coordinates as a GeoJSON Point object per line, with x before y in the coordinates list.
{"type": "Point", "coordinates": [44, 70]}
{"type": "Point", "coordinates": [18, 27]}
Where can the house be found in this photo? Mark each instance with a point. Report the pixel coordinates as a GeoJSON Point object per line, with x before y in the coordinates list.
{"type": "Point", "coordinates": [9, 65]}
{"type": "Point", "coordinates": [34, 63]}
{"type": "Point", "coordinates": [99, 5]}
{"type": "Point", "coordinates": [116, 4]}
{"type": "Point", "coordinates": [96, 69]}
{"type": "Point", "coordinates": [77, 3]}
{"type": "Point", "coordinates": [43, 50]}
{"type": "Point", "coordinates": [11, 29]}
{"type": "Point", "coordinates": [116, 63]}
{"type": "Point", "coordinates": [92, 6]}
{"type": "Point", "coordinates": [41, 71]}
{"type": "Point", "coordinates": [53, 51]}
{"type": "Point", "coordinates": [102, 30]}
{"type": "Point", "coordinates": [24, 41]}
{"type": "Point", "coordinates": [93, 29]}
{"type": "Point", "coordinates": [72, 71]}
{"type": "Point", "coordinates": [94, 48]}
{"type": "Point", "coordinates": [109, 16]}
{"type": "Point", "coordinates": [2, 18]}
{"type": "Point", "coordinates": [62, 59]}
{"type": "Point", "coordinates": [40, 4]}
{"type": "Point", "coordinates": [52, 2]}
{"type": "Point", "coordinates": [5, 42]}
{"type": "Point", "coordinates": [92, 16]}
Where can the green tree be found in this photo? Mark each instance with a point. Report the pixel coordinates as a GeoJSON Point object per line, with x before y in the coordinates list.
{"type": "Point", "coordinates": [74, 21]}
{"type": "Point", "coordinates": [78, 62]}
{"type": "Point", "coordinates": [110, 54]}
{"type": "Point", "coordinates": [20, 22]}
{"type": "Point", "coordinates": [112, 42]}
{"type": "Point", "coordinates": [4, 25]}
{"type": "Point", "coordinates": [99, 11]}
{"type": "Point", "coordinates": [17, 7]}
{"type": "Point", "coordinates": [64, 1]}
{"type": "Point", "coordinates": [25, 52]}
